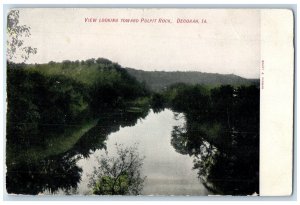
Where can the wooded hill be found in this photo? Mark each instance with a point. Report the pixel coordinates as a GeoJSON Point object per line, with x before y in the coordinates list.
{"type": "Point", "coordinates": [160, 80]}
{"type": "Point", "coordinates": [64, 94]}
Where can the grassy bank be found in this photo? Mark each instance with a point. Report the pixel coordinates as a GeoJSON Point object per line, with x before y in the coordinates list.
{"type": "Point", "coordinates": [53, 146]}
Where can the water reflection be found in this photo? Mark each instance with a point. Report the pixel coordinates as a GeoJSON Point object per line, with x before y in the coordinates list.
{"type": "Point", "coordinates": [223, 144]}
{"type": "Point", "coordinates": [108, 123]}
{"type": "Point", "coordinates": [49, 174]}
{"type": "Point", "coordinates": [226, 160]}
{"type": "Point", "coordinates": [61, 172]}
{"type": "Point", "coordinates": [225, 148]}
{"type": "Point", "coordinates": [167, 172]}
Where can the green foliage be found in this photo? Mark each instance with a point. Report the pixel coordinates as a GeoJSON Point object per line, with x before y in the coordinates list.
{"type": "Point", "coordinates": [119, 175]}
{"type": "Point", "coordinates": [158, 102]}
{"type": "Point", "coordinates": [62, 94]}
{"type": "Point", "coordinates": [35, 102]}
{"type": "Point", "coordinates": [28, 168]}
{"type": "Point", "coordinates": [221, 122]}
{"type": "Point", "coordinates": [188, 97]}
{"type": "Point", "coordinates": [104, 184]}
{"type": "Point", "coordinates": [52, 174]}
{"type": "Point", "coordinates": [222, 132]}
{"type": "Point", "coordinates": [103, 61]}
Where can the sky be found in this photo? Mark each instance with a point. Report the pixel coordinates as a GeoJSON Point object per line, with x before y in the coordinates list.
{"type": "Point", "coordinates": [228, 43]}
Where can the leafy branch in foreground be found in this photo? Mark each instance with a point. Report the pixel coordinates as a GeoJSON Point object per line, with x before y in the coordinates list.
{"type": "Point", "coordinates": [15, 34]}
{"type": "Point", "coordinates": [120, 175]}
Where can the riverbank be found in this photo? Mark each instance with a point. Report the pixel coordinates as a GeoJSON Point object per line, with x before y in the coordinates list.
{"type": "Point", "coordinates": [53, 146]}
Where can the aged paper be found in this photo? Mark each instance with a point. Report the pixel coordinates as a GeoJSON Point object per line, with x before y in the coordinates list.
{"type": "Point", "coordinates": [186, 102]}
{"type": "Point", "coordinates": [277, 101]}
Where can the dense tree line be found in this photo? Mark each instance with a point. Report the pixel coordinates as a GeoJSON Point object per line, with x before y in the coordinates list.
{"type": "Point", "coordinates": [34, 102]}
{"type": "Point", "coordinates": [37, 99]}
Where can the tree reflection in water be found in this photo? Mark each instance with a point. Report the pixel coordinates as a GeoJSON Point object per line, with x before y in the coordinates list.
{"type": "Point", "coordinates": [224, 143]}
{"type": "Point", "coordinates": [221, 132]}
{"type": "Point", "coordinates": [50, 174]}
{"type": "Point", "coordinates": [60, 172]}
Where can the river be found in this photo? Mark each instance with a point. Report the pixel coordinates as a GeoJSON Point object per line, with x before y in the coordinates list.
{"type": "Point", "coordinates": [218, 147]}
{"type": "Point", "coordinates": [172, 144]}
{"type": "Point", "coordinates": [167, 172]}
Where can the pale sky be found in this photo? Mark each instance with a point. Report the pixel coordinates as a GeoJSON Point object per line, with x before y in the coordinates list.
{"type": "Point", "coordinates": [228, 43]}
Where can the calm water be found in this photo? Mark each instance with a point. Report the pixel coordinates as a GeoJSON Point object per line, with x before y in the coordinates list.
{"type": "Point", "coordinates": [168, 172]}
{"type": "Point", "coordinates": [219, 148]}
{"type": "Point", "coordinates": [173, 144]}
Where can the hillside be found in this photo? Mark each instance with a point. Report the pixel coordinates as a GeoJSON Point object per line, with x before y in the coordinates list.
{"type": "Point", "coordinates": [65, 94]}
{"type": "Point", "coordinates": [160, 80]}
{"type": "Point", "coordinates": [87, 72]}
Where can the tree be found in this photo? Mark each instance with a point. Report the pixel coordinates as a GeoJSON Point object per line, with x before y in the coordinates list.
{"type": "Point", "coordinates": [90, 61]}
{"type": "Point", "coordinates": [158, 102]}
{"type": "Point", "coordinates": [66, 64]}
{"type": "Point", "coordinates": [119, 175]}
{"type": "Point", "coordinates": [15, 35]}
{"type": "Point", "coordinates": [103, 61]}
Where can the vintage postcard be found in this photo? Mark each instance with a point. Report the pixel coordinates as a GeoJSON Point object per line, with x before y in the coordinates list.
{"type": "Point", "coordinates": [185, 102]}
